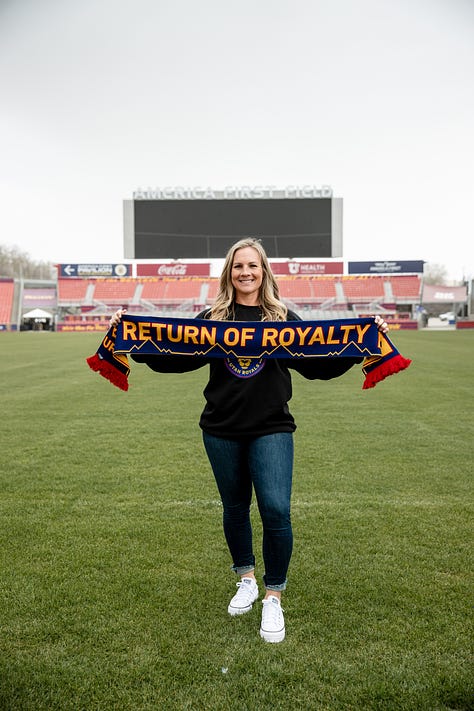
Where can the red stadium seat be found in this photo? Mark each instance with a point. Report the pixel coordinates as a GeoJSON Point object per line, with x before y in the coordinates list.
{"type": "Point", "coordinates": [7, 288]}
{"type": "Point", "coordinates": [406, 286]}
{"type": "Point", "coordinates": [153, 290]}
{"type": "Point", "coordinates": [363, 288]}
{"type": "Point", "coordinates": [115, 291]}
{"type": "Point", "coordinates": [72, 290]}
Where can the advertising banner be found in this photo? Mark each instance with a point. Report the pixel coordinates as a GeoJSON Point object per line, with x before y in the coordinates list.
{"type": "Point", "coordinates": [295, 268]}
{"type": "Point", "coordinates": [44, 298]}
{"type": "Point", "coordinates": [386, 267]}
{"type": "Point", "coordinates": [444, 294]}
{"type": "Point", "coordinates": [95, 270]}
{"type": "Point", "coordinates": [174, 269]}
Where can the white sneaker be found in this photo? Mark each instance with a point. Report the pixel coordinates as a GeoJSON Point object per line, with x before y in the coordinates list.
{"type": "Point", "coordinates": [272, 628]}
{"type": "Point", "coordinates": [244, 597]}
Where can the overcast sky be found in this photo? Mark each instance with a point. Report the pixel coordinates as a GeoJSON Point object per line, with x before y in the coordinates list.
{"type": "Point", "coordinates": [372, 97]}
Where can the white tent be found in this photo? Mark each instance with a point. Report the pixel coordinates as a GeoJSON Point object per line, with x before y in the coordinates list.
{"type": "Point", "coordinates": [38, 313]}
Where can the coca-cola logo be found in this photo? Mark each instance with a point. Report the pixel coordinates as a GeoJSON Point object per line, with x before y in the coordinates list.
{"type": "Point", "coordinates": [172, 270]}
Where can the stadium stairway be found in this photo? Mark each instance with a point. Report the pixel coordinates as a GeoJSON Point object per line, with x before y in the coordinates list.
{"type": "Point", "coordinates": [89, 297]}
{"type": "Point", "coordinates": [340, 296]}
{"type": "Point", "coordinates": [388, 291]}
{"type": "Point", "coordinates": [137, 297]}
{"type": "Point", "coordinates": [204, 293]}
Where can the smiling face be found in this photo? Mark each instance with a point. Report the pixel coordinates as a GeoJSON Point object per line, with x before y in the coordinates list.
{"type": "Point", "coordinates": [247, 276]}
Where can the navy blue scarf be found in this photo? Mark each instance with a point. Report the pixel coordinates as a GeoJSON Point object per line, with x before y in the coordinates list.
{"type": "Point", "coordinates": [239, 340]}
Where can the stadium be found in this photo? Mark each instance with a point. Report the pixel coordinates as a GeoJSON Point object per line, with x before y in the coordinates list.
{"type": "Point", "coordinates": [111, 522]}
{"type": "Point", "coordinates": [175, 239]}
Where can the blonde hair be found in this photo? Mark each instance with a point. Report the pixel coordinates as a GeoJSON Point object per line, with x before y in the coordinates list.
{"type": "Point", "coordinates": [272, 308]}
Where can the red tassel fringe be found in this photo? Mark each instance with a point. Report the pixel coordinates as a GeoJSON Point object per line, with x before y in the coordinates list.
{"type": "Point", "coordinates": [390, 367]}
{"type": "Point", "coordinates": [108, 371]}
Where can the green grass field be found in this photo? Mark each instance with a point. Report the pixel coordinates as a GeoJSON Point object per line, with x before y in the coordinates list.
{"type": "Point", "coordinates": [115, 577]}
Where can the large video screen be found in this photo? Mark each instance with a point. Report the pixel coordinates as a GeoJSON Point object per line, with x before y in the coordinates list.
{"type": "Point", "coordinates": [203, 229]}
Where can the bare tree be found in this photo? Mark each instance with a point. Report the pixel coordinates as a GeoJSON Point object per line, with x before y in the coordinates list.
{"type": "Point", "coordinates": [435, 274]}
{"type": "Point", "coordinates": [17, 264]}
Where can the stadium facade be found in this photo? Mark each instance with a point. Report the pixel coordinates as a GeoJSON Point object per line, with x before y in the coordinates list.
{"type": "Point", "coordinates": [174, 243]}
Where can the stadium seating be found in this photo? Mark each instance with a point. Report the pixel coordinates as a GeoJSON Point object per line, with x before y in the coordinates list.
{"type": "Point", "coordinates": [153, 290]}
{"type": "Point", "coordinates": [85, 304]}
{"type": "Point", "coordinates": [115, 291]}
{"type": "Point", "coordinates": [72, 291]}
{"type": "Point", "coordinates": [7, 288]}
{"type": "Point", "coordinates": [324, 288]}
{"type": "Point", "coordinates": [325, 296]}
{"type": "Point", "coordinates": [297, 289]}
{"type": "Point", "coordinates": [406, 287]}
{"type": "Point", "coordinates": [363, 288]}
{"type": "Point", "coordinates": [177, 290]}
{"type": "Point", "coordinates": [212, 290]}
{"type": "Point", "coordinates": [307, 290]}
{"type": "Point", "coordinates": [172, 291]}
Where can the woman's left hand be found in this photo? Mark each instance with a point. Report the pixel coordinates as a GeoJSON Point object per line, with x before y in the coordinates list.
{"type": "Point", "coordinates": [381, 324]}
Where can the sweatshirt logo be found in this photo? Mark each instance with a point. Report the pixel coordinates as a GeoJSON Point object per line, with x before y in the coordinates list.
{"type": "Point", "coordinates": [244, 367]}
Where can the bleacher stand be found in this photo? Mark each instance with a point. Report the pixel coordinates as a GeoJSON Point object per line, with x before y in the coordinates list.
{"type": "Point", "coordinates": [90, 301]}
{"type": "Point", "coordinates": [297, 289]}
{"type": "Point", "coordinates": [174, 292]}
{"type": "Point", "coordinates": [406, 288]}
{"type": "Point", "coordinates": [73, 291]}
{"type": "Point", "coordinates": [115, 292]}
{"type": "Point", "coordinates": [7, 290]}
{"type": "Point", "coordinates": [363, 288]}
{"type": "Point", "coordinates": [154, 290]}
{"type": "Point", "coordinates": [85, 304]}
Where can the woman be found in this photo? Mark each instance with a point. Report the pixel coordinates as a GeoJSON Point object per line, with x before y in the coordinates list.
{"type": "Point", "coordinates": [248, 429]}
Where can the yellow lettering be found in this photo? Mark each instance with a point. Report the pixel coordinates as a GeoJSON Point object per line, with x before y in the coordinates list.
{"type": "Point", "coordinates": [129, 330]}
{"type": "Point", "coordinates": [346, 329]}
{"type": "Point", "coordinates": [287, 336]}
{"type": "Point", "coordinates": [247, 335]}
{"type": "Point", "coordinates": [144, 331]}
{"type": "Point", "coordinates": [331, 340]}
{"type": "Point", "coordinates": [158, 328]}
{"type": "Point", "coordinates": [108, 344]}
{"type": "Point", "coordinates": [179, 333]}
{"type": "Point", "coordinates": [361, 331]}
{"type": "Point", "coordinates": [318, 336]}
{"type": "Point", "coordinates": [231, 336]}
{"type": "Point", "coordinates": [209, 336]}
{"type": "Point", "coordinates": [384, 345]}
{"type": "Point", "coordinates": [269, 336]}
{"type": "Point", "coordinates": [191, 334]}
{"type": "Point", "coordinates": [302, 334]}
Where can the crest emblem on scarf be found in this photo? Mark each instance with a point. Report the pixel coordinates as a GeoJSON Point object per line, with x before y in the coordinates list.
{"type": "Point", "coordinates": [244, 367]}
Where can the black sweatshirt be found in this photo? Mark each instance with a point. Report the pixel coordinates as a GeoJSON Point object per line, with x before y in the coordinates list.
{"type": "Point", "coordinates": [250, 406]}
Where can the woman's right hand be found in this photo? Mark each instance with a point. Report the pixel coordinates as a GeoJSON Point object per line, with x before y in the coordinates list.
{"type": "Point", "coordinates": [117, 317]}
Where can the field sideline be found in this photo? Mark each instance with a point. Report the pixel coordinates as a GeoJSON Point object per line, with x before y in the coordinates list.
{"type": "Point", "coordinates": [115, 577]}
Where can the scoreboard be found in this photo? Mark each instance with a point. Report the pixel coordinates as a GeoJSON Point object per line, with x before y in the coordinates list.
{"type": "Point", "coordinates": [289, 227]}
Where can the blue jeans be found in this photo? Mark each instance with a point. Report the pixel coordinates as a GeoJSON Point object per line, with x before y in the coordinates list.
{"type": "Point", "coordinates": [267, 464]}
